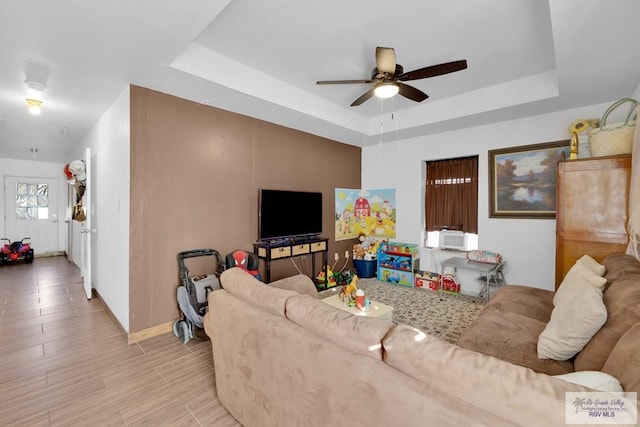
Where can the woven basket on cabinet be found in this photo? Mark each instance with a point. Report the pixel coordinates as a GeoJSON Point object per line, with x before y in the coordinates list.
{"type": "Point", "coordinates": [617, 138]}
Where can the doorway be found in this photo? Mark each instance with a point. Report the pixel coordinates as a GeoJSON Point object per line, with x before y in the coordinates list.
{"type": "Point", "coordinates": [79, 230]}
{"type": "Point", "coordinates": [31, 210]}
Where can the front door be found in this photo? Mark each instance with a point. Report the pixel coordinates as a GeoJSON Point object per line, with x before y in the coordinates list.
{"type": "Point", "coordinates": [31, 210]}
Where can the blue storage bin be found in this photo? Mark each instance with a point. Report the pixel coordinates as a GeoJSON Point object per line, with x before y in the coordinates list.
{"type": "Point", "coordinates": [365, 268]}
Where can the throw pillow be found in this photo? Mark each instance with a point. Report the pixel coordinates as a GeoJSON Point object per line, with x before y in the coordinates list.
{"type": "Point", "coordinates": [578, 277]}
{"type": "Point", "coordinates": [593, 379]}
{"type": "Point", "coordinates": [594, 265]}
{"type": "Point", "coordinates": [572, 325]}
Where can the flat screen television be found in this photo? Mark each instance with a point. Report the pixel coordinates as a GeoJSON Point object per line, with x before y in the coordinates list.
{"type": "Point", "coordinates": [288, 214]}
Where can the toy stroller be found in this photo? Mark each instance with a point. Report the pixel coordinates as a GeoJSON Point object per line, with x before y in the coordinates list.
{"type": "Point", "coordinates": [192, 294]}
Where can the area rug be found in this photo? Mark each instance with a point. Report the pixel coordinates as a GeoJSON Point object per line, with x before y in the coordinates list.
{"type": "Point", "coordinates": [442, 315]}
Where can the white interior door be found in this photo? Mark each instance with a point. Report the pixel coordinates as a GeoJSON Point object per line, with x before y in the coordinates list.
{"type": "Point", "coordinates": [86, 227]}
{"type": "Point", "coordinates": [71, 197]}
{"type": "Point", "coordinates": [31, 210]}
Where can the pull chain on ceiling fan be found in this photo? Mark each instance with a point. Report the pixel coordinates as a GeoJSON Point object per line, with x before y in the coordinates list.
{"type": "Point", "coordinates": [388, 76]}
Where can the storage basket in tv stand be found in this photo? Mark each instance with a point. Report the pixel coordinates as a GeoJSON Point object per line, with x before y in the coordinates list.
{"type": "Point", "coordinates": [269, 251]}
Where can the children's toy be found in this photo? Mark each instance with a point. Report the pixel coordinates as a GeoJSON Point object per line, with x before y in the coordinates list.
{"type": "Point", "coordinates": [484, 256]}
{"type": "Point", "coordinates": [360, 298]}
{"type": "Point", "coordinates": [343, 277]}
{"type": "Point", "coordinates": [367, 249]}
{"type": "Point", "coordinates": [331, 280]}
{"type": "Point", "coordinates": [449, 284]}
{"type": "Point", "coordinates": [16, 251]}
{"type": "Point", "coordinates": [348, 292]}
{"type": "Point", "coordinates": [192, 294]}
{"type": "Point", "coordinates": [246, 260]}
{"type": "Point", "coordinates": [427, 280]}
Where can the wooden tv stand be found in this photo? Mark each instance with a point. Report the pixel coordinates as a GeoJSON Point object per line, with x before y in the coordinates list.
{"type": "Point", "coordinates": [275, 250]}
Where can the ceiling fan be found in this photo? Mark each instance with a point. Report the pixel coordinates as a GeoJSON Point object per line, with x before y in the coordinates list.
{"type": "Point", "coordinates": [388, 76]}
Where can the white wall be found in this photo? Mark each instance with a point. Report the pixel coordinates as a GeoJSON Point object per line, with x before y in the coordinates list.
{"type": "Point", "coordinates": [37, 169]}
{"type": "Point", "coordinates": [528, 245]}
{"type": "Point", "coordinates": [109, 143]}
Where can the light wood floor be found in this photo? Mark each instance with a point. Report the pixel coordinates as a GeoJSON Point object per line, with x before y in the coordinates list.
{"type": "Point", "coordinates": [65, 361]}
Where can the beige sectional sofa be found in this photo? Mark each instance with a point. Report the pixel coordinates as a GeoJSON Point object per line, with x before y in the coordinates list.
{"type": "Point", "coordinates": [282, 357]}
{"type": "Point", "coordinates": [510, 326]}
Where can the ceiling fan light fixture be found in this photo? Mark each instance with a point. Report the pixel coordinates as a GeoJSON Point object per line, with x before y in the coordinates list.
{"type": "Point", "coordinates": [388, 77]}
{"type": "Point", "coordinates": [386, 90]}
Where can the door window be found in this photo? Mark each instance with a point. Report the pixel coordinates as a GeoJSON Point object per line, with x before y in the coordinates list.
{"type": "Point", "coordinates": [32, 201]}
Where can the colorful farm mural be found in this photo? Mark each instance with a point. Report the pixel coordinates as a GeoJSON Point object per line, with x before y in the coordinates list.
{"type": "Point", "coordinates": [367, 212]}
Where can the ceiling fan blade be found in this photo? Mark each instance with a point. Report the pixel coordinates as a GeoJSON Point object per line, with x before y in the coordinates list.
{"type": "Point", "coordinates": [368, 94]}
{"type": "Point", "coordinates": [434, 70]}
{"type": "Point", "coordinates": [386, 60]}
{"type": "Point", "coordinates": [411, 92]}
{"type": "Point", "coordinates": [341, 82]}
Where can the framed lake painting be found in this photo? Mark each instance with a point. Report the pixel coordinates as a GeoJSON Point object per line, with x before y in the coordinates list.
{"type": "Point", "coordinates": [522, 180]}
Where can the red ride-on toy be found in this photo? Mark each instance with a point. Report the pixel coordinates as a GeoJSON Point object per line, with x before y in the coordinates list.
{"type": "Point", "coordinates": [16, 251]}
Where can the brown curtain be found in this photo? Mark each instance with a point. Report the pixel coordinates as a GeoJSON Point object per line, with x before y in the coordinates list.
{"type": "Point", "coordinates": [451, 195]}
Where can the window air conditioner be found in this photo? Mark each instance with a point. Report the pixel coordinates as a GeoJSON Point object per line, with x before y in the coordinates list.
{"type": "Point", "coordinates": [450, 239]}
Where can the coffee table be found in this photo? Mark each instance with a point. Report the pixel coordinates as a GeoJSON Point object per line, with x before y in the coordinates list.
{"type": "Point", "coordinates": [375, 309]}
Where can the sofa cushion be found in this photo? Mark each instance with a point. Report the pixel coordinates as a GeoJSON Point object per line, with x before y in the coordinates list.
{"type": "Point", "coordinates": [624, 360]}
{"type": "Point", "coordinates": [593, 379]}
{"type": "Point", "coordinates": [486, 382]}
{"type": "Point", "coordinates": [622, 300]}
{"type": "Point", "coordinates": [619, 265]}
{"type": "Point", "coordinates": [534, 303]}
{"type": "Point", "coordinates": [299, 283]}
{"type": "Point", "coordinates": [578, 276]}
{"type": "Point", "coordinates": [356, 333]}
{"type": "Point", "coordinates": [511, 337]}
{"type": "Point", "coordinates": [243, 285]}
{"type": "Point", "coordinates": [572, 325]}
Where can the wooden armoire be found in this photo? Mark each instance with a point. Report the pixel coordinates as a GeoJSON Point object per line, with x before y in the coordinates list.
{"type": "Point", "coordinates": [591, 209]}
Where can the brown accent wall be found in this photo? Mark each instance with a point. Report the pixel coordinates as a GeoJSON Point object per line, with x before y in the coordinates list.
{"type": "Point", "coordinates": [195, 175]}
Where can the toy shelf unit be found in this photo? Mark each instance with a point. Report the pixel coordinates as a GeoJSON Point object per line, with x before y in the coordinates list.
{"type": "Point", "coordinates": [397, 262]}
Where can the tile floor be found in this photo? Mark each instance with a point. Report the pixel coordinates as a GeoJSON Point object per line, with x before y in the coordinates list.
{"type": "Point", "coordinates": [65, 361]}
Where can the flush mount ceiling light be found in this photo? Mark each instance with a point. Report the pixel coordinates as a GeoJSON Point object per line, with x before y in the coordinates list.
{"type": "Point", "coordinates": [34, 96]}
{"type": "Point", "coordinates": [35, 106]}
{"type": "Point", "coordinates": [386, 90]}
